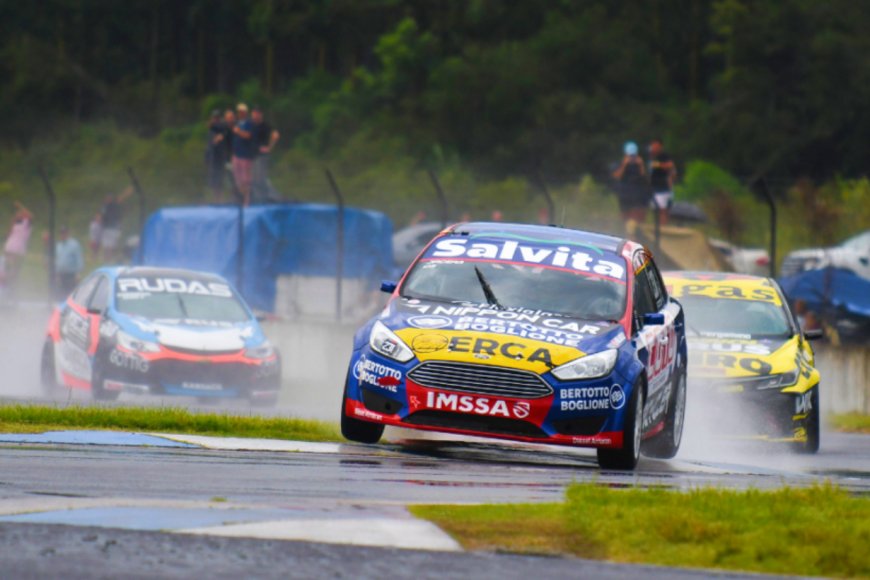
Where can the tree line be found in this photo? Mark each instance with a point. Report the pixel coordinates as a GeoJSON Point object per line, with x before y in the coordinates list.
{"type": "Point", "coordinates": [776, 88]}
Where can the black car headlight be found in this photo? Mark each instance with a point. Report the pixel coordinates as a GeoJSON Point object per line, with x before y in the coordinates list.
{"type": "Point", "coordinates": [384, 341]}
{"type": "Point", "coordinates": [776, 381]}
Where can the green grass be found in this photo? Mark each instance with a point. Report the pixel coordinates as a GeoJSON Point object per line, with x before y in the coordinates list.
{"type": "Point", "coordinates": [851, 422]}
{"type": "Point", "coordinates": [34, 418]}
{"type": "Point", "coordinates": [816, 531]}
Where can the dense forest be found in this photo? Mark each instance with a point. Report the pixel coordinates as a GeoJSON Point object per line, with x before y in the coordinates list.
{"type": "Point", "coordinates": [493, 95]}
{"type": "Point", "coordinates": [779, 88]}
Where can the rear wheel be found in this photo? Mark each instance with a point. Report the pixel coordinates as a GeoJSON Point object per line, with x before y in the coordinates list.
{"type": "Point", "coordinates": [813, 427]}
{"type": "Point", "coordinates": [627, 457]}
{"type": "Point", "coordinates": [48, 371]}
{"type": "Point", "coordinates": [666, 444]}
{"type": "Point", "coordinates": [356, 430]}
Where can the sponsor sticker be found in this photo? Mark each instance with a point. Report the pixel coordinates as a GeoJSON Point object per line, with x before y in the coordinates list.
{"type": "Point", "coordinates": [601, 398]}
{"type": "Point", "coordinates": [433, 322]}
{"type": "Point", "coordinates": [472, 404]}
{"type": "Point", "coordinates": [428, 343]}
{"type": "Point", "coordinates": [129, 361]}
{"type": "Point", "coordinates": [133, 288]}
{"type": "Point", "coordinates": [803, 403]}
{"type": "Point", "coordinates": [376, 374]}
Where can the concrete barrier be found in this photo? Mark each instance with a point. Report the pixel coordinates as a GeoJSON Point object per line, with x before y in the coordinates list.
{"type": "Point", "coordinates": [845, 385]}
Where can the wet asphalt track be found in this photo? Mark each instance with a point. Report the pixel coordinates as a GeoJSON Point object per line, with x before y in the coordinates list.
{"type": "Point", "coordinates": [355, 480]}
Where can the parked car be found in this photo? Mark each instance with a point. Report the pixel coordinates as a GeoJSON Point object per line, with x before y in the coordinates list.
{"type": "Point", "coordinates": [754, 261]}
{"type": "Point", "coordinates": [853, 254]}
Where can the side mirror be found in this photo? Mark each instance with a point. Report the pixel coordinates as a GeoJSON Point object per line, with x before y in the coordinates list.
{"type": "Point", "coordinates": [653, 319]}
{"type": "Point", "coordinates": [814, 334]}
{"type": "Point", "coordinates": [95, 311]}
{"type": "Point", "coordinates": [388, 286]}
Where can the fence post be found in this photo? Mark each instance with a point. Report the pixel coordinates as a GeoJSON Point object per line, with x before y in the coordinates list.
{"type": "Point", "coordinates": [445, 206]}
{"type": "Point", "coordinates": [339, 243]}
{"type": "Point", "coordinates": [52, 204]}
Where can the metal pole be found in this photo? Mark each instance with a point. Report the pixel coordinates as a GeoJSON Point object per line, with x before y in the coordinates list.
{"type": "Point", "coordinates": [445, 206]}
{"type": "Point", "coordinates": [760, 185]}
{"type": "Point", "coordinates": [240, 246]}
{"type": "Point", "coordinates": [339, 243]}
{"type": "Point", "coordinates": [658, 229]}
{"type": "Point", "coordinates": [141, 197]}
{"type": "Point", "coordinates": [551, 207]}
{"type": "Point", "coordinates": [52, 202]}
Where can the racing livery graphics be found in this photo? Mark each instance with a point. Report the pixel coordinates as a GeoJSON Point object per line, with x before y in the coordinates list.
{"type": "Point", "coordinates": [158, 331]}
{"type": "Point", "coordinates": [746, 349]}
{"type": "Point", "coordinates": [530, 333]}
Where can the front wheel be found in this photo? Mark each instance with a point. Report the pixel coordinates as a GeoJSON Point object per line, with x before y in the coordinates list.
{"type": "Point", "coordinates": [627, 457]}
{"type": "Point", "coordinates": [356, 430]}
{"type": "Point", "coordinates": [666, 444]}
{"type": "Point", "coordinates": [98, 391]}
{"type": "Point", "coordinates": [813, 427]}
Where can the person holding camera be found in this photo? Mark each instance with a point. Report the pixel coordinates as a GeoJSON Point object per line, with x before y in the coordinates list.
{"type": "Point", "coordinates": [632, 188]}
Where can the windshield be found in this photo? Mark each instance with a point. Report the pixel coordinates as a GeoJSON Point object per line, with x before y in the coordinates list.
{"type": "Point", "coordinates": [178, 299]}
{"type": "Point", "coordinates": [744, 317]}
{"type": "Point", "coordinates": [502, 285]}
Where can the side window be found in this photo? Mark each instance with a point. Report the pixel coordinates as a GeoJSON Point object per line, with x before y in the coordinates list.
{"type": "Point", "coordinates": [643, 299]}
{"type": "Point", "coordinates": [83, 292]}
{"type": "Point", "coordinates": [100, 298]}
{"type": "Point", "coordinates": [655, 281]}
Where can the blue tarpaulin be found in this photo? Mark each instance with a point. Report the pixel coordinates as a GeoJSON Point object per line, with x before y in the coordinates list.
{"type": "Point", "coordinates": [287, 239]}
{"type": "Point", "coordinates": [842, 289]}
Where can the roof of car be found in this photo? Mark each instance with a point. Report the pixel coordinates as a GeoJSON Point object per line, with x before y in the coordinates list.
{"type": "Point", "coordinates": [153, 271]}
{"type": "Point", "coordinates": [716, 278]}
{"type": "Point", "coordinates": [549, 233]}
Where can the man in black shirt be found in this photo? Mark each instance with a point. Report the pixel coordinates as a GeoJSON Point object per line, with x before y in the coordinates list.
{"type": "Point", "coordinates": [662, 174]}
{"type": "Point", "coordinates": [265, 137]}
{"type": "Point", "coordinates": [632, 188]}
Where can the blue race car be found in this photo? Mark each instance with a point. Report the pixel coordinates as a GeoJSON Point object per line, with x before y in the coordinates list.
{"type": "Point", "coordinates": [531, 333]}
{"type": "Point", "coordinates": [158, 331]}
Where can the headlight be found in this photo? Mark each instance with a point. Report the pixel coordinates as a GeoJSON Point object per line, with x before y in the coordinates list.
{"type": "Point", "coordinates": [264, 350]}
{"type": "Point", "coordinates": [588, 367]}
{"type": "Point", "coordinates": [135, 344]}
{"type": "Point", "coordinates": [384, 341]}
{"type": "Point", "coordinates": [776, 381]}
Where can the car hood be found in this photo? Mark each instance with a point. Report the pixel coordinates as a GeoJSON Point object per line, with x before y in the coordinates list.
{"type": "Point", "coordinates": [197, 337]}
{"type": "Point", "coordinates": [526, 339]}
{"type": "Point", "coordinates": [727, 356]}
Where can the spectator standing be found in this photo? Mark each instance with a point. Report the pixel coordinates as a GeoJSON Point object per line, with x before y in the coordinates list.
{"type": "Point", "coordinates": [111, 216]}
{"type": "Point", "coordinates": [244, 152]}
{"type": "Point", "coordinates": [216, 155]}
{"type": "Point", "coordinates": [95, 230]}
{"type": "Point", "coordinates": [662, 174]}
{"type": "Point", "coordinates": [16, 243]}
{"type": "Point", "coordinates": [69, 263]}
{"type": "Point", "coordinates": [632, 189]}
{"type": "Point", "coordinates": [265, 137]}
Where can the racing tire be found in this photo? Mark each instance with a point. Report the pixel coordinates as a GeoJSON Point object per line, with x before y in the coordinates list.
{"type": "Point", "coordinates": [626, 458]}
{"type": "Point", "coordinates": [811, 445]}
{"type": "Point", "coordinates": [48, 371]}
{"type": "Point", "coordinates": [98, 393]}
{"type": "Point", "coordinates": [356, 430]}
{"type": "Point", "coordinates": [666, 444]}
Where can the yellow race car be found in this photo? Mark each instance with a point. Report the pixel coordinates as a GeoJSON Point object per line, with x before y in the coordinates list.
{"type": "Point", "coordinates": [750, 364]}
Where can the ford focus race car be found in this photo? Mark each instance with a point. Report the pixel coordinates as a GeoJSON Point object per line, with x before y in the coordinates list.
{"type": "Point", "coordinates": [531, 333]}
{"type": "Point", "coordinates": [159, 331]}
{"type": "Point", "coordinates": [749, 358]}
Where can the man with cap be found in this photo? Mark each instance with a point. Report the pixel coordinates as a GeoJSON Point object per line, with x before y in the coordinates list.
{"type": "Point", "coordinates": [632, 189]}
{"type": "Point", "coordinates": [68, 264]}
{"type": "Point", "coordinates": [244, 152]}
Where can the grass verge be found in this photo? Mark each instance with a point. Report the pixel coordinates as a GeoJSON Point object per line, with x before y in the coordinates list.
{"type": "Point", "coordinates": [35, 418]}
{"type": "Point", "coordinates": [851, 422]}
{"type": "Point", "coordinates": [816, 531]}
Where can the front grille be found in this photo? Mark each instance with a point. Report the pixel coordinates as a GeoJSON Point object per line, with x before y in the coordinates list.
{"type": "Point", "coordinates": [478, 424]}
{"type": "Point", "coordinates": [480, 379]}
{"type": "Point", "coordinates": [198, 352]}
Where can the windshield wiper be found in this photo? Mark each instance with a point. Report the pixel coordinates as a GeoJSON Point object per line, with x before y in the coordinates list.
{"type": "Point", "coordinates": [487, 290]}
{"type": "Point", "coordinates": [181, 304]}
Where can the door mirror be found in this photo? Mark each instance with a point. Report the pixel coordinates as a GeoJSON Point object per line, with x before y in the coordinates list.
{"type": "Point", "coordinates": [388, 286]}
{"type": "Point", "coordinates": [814, 334]}
{"type": "Point", "coordinates": [653, 319]}
{"type": "Point", "coordinates": [95, 311]}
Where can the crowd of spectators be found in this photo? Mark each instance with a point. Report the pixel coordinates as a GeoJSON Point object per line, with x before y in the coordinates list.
{"type": "Point", "coordinates": [241, 141]}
